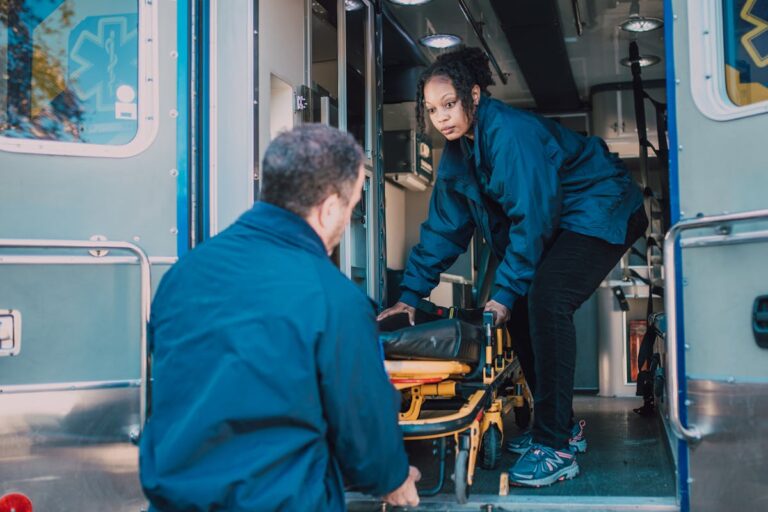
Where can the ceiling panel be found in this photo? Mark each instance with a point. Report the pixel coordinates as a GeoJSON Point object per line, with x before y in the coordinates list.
{"type": "Point", "coordinates": [594, 56]}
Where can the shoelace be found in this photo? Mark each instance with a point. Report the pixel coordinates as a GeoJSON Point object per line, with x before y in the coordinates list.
{"type": "Point", "coordinates": [539, 450]}
{"type": "Point", "coordinates": [580, 433]}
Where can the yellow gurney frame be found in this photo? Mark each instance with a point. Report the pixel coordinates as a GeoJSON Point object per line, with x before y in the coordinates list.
{"type": "Point", "coordinates": [476, 427]}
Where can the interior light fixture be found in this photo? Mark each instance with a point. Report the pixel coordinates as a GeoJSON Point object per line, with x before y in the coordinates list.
{"type": "Point", "coordinates": [353, 5]}
{"type": "Point", "coordinates": [440, 40]}
{"type": "Point", "coordinates": [644, 61]}
{"type": "Point", "coordinates": [636, 23]}
{"type": "Point", "coordinates": [410, 2]}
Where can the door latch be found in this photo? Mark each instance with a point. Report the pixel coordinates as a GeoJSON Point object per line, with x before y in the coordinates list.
{"type": "Point", "coordinates": [760, 321]}
{"type": "Point", "coordinates": [10, 332]}
{"type": "Point", "coordinates": [618, 292]}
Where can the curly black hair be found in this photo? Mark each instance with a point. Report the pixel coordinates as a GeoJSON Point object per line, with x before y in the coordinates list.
{"type": "Point", "coordinates": [465, 68]}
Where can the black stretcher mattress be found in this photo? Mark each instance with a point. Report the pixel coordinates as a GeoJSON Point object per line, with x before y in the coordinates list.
{"type": "Point", "coordinates": [441, 340]}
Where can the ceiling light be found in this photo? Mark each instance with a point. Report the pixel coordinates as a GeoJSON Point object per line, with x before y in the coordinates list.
{"type": "Point", "coordinates": [353, 5]}
{"type": "Point", "coordinates": [440, 40]}
{"type": "Point", "coordinates": [637, 23]}
{"type": "Point", "coordinates": [410, 2]}
{"type": "Point", "coordinates": [644, 61]}
{"type": "Point", "coordinates": [641, 24]}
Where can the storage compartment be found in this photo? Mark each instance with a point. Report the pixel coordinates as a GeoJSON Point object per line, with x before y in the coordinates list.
{"type": "Point", "coordinates": [408, 159]}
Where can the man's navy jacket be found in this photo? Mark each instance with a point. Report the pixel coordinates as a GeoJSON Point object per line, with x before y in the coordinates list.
{"type": "Point", "coordinates": [269, 391]}
{"type": "Point", "coordinates": [523, 178]}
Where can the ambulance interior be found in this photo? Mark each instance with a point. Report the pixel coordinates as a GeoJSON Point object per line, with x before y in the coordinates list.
{"type": "Point", "coordinates": [568, 60]}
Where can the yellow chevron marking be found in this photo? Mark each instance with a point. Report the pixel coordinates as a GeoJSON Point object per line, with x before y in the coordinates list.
{"type": "Point", "coordinates": [747, 39]}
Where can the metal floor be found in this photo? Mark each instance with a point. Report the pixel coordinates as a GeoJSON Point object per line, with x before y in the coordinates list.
{"type": "Point", "coordinates": [627, 467]}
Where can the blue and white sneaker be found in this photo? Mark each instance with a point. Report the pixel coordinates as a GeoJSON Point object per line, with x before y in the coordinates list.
{"type": "Point", "coordinates": [542, 465]}
{"type": "Point", "coordinates": [523, 442]}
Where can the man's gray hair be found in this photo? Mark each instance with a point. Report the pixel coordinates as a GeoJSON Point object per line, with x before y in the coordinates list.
{"type": "Point", "coordinates": [305, 165]}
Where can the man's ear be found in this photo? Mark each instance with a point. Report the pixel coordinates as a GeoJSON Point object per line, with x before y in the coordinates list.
{"type": "Point", "coordinates": [329, 210]}
{"type": "Point", "coordinates": [476, 94]}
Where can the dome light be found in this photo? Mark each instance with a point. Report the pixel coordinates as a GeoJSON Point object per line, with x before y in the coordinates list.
{"type": "Point", "coordinates": [636, 23]}
{"type": "Point", "coordinates": [440, 40]}
{"type": "Point", "coordinates": [353, 5]}
{"type": "Point", "coordinates": [410, 2]}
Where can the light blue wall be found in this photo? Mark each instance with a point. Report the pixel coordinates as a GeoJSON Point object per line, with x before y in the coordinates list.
{"type": "Point", "coordinates": [722, 167]}
{"type": "Point", "coordinates": [80, 322]}
{"type": "Point", "coordinates": [722, 164]}
{"type": "Point", "coordinates": [120, 198]}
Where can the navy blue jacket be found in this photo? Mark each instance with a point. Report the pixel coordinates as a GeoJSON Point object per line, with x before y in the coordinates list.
{"type": "Point", "coordinates": [269, 389]}
{"type": "Point", "coordinates": [523, 178]}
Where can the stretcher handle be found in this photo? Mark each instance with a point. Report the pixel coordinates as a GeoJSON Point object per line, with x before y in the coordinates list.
{"type": "Point", "coordinates": [489, 321]}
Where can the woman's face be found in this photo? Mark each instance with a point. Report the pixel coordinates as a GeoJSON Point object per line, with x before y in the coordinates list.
{"type": "Point", "coordinates": [445, 109]}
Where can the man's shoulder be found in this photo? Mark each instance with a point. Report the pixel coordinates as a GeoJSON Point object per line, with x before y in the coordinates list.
{"type": "Point", "coordinates": [336, 284]}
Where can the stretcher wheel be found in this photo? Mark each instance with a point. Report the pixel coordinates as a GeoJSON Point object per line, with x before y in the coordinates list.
{"type": "Point", "coordinates": [460, 473]}
{"type": "Point", "coordinates": [523, 415]}
{"type": "Point", "coordinates": [490, 449]}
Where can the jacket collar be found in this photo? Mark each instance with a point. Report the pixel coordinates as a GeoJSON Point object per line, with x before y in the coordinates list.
{"type": "Point", "coordinates": [283, 224]}
{"type": "Point", "coordinates": [480, 114]}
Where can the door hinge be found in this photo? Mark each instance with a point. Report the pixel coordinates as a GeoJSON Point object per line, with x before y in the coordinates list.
{"type": "Point", "coordinates": [300, 104]}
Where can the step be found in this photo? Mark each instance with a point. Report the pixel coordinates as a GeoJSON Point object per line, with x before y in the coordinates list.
{"type": "Point", "coordinates": [493, 503]}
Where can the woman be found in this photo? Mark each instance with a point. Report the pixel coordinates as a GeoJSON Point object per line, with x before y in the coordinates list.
{"type": "Point", "coordinates": [557, 209]}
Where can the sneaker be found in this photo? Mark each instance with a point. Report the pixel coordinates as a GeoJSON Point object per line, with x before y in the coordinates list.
{"type": "Point", "coordinates": [542, 465]}
{"type": "Point", "coordinates": [523, 442]}
{"type": "Point", "coordinates": [577, 440]}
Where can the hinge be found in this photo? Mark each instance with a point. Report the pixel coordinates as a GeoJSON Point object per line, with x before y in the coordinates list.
{"type": "Point", "coordinates": [300, 104]}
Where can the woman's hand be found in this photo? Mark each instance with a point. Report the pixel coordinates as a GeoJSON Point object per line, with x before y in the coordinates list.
{"type": "Point", "coordinates": [501, 311]}
{"type": "Point", "coordinates": [400, 307]}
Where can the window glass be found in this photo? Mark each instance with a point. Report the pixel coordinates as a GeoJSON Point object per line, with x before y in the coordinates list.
{"type": "Point", "coordinates": [69, 70]}
{"type": "Point", "coordinates": [325, 64]}
{"type": "Point", "coordinates": [357, 27]}
{"type": "Point", "coordinates": [745, 35]}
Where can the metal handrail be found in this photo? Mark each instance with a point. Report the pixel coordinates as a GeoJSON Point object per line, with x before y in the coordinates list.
{"type": "Point", "coordinates": [478, 29]}
{"type": "Point", "coordinates": [144, 291]}
{"type": "Point", "coordinates": [689, 433]}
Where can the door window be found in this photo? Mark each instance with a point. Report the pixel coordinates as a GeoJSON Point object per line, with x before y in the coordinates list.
{"type": "Point", "coordinates": [74, 76]}
{"type": "Point", "coordinates": [745, 35]}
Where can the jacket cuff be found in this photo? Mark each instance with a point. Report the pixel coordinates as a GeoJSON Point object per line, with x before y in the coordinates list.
{"type": "Point", "coordinates": [409, 297]}
{"type": "Point", "coordinates": [396, 479]}
{"type": "Point", "coordinates": [505, 297]}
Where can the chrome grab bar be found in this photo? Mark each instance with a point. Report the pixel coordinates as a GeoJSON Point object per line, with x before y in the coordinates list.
{"type": "Point", "coordinates": [689, 433]}
{"type": "Point", "coordinates": [144, 290]}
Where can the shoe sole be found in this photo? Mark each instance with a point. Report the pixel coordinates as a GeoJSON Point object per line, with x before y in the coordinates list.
{"type": "Point", "coordinates": [566, 473]}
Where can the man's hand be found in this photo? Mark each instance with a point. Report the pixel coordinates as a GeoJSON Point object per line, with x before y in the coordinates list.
{"type": "Point", "coordinates": [406, 495]}
{"type": "Point", "coordinates": [400, 307]}
{"type": "Point", "coordinates": [502, 312]}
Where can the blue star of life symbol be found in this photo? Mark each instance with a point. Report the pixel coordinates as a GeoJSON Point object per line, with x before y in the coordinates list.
{"type": "Point", "coordinates": [755, 12]}
{"type": "Point", "coordinates": [103, 57]}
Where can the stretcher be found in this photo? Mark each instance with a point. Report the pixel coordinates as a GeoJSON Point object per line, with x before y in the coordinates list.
{"type": "Point", "coordinates": [457, 380]}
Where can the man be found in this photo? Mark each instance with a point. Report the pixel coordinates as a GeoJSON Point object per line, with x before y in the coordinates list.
{"type": "Point", "coordinates": [268, 387]}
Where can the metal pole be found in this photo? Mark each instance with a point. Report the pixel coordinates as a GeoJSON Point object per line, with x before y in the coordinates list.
{"type": "Point", "coordinates": [479, 33]}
